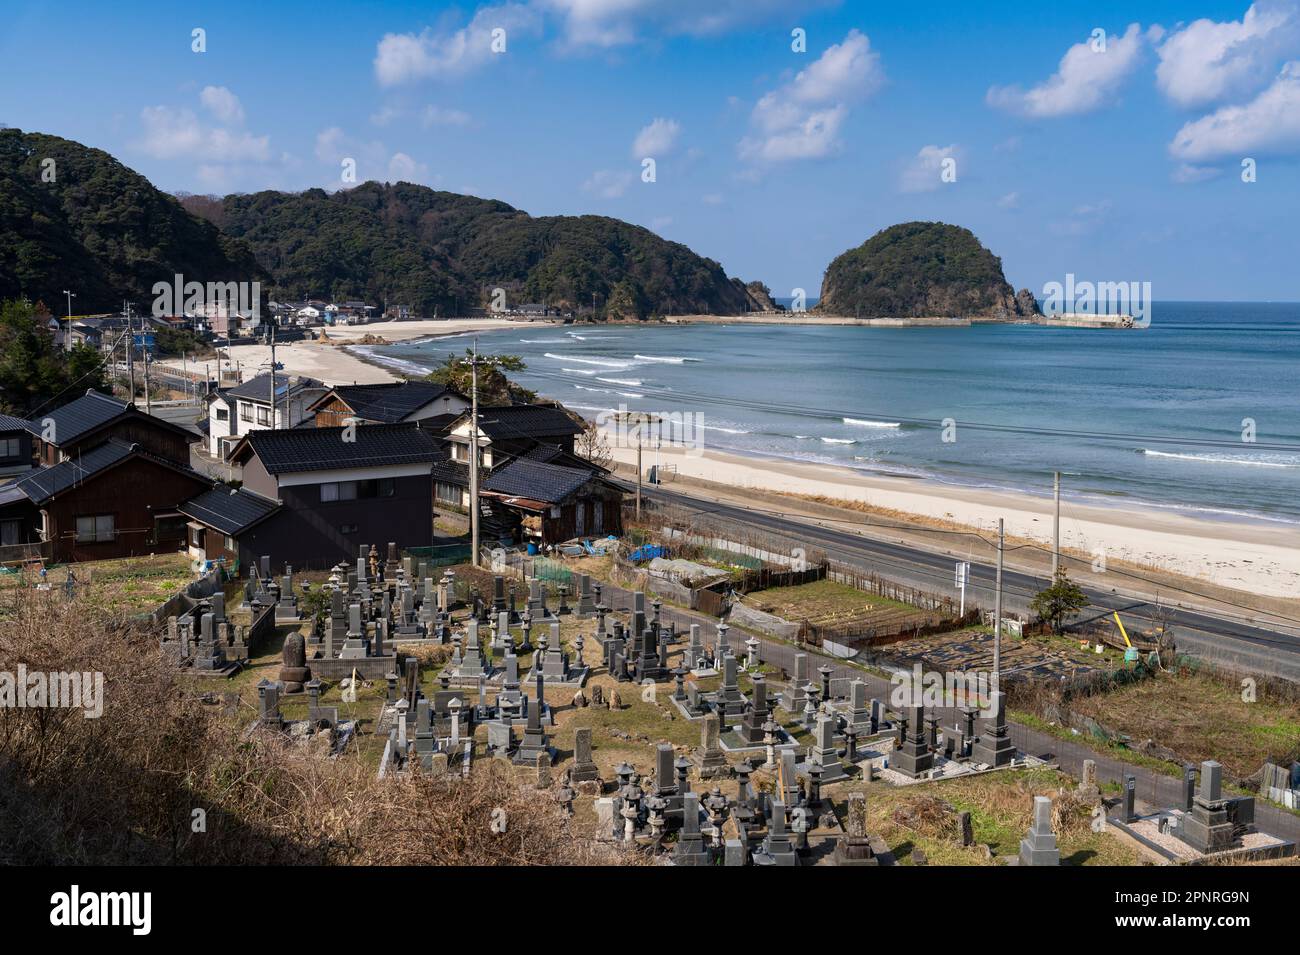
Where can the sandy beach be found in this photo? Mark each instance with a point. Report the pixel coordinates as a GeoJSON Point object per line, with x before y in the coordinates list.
{"type": "Point", "coordinates": [334, 363]}
{"type": "Point", "coordinates": [1259, 557]}
{"type": "Point", "coordinates": [1253, 556]}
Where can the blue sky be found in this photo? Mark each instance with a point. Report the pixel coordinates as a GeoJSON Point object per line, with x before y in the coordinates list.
{"type": "Point", "coordinates": [1120, 163]}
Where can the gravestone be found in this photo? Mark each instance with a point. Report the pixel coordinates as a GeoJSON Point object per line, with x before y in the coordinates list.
{"type": "Point", "coordinates": [824, 753]}
{"type": "Point", "coordinates": [729, 698]}
{"type": "Point", "coordinates": [860, 708]}
{"type": "Point", "coordinates": [584, 767]}
{"type": "Point", "coordinates": [794, 697]}
{"type": "Point", "coordinates": [690, 844]}
{"type": "Point", "coordinates": [268, 705]}
{"type": "Point", "coordinates": [995, 748]}
{"type": "Point", "coordinates": [534, 743]}
{"type": "Point", "coordinates": [912, 756]}
{"type": "Point", "coordinates": [751, 729]}
{"type": "Point", "coordinates": [294, 672]}
{"type": "Point", "coordinates": [1209, 826]}
{"type": "Point", "coordinates": [777, 848]}
{"type": "Point", "coordinates": [854, 847]}
{"type": "Point", "coordinates": [711, 761]}
{"type": "Point", "coordinates": [1039, 847]}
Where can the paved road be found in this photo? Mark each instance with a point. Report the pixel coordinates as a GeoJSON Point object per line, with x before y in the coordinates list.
{"type": "Point", "coordinates": [1251, 649]}
{"type": "Point", "coordinates": [1153, 788]}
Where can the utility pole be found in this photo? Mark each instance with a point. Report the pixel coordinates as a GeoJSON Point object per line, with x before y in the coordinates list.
{"type": "Point", "coordinates": [997, 612]}
{"type": "Point", "coordinates": [67, 340]}
{"type": "Point", "coordinates": [130, 350]}
{"type": "Point", "coordinates": [148, 402]}
{"type": "Point", "coordinates": [473, 458]}
{"type": "Point", "coordinates": [273, 378]}
{"type": "Point", "coordinates": [1056, 525]}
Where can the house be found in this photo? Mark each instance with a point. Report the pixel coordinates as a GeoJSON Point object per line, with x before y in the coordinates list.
{"type": "Point", "coordinates": [337, 488]}
{"type": "Point", "coordinates": [116, 499]}
{"type": "Point", "coordinates": [233, 412]}
{"type": "Point", "coordinates": [386, 403]}
{"type": "Point", "coordinates": [505, 433]}
{"type": "Point", "coordinates": [16, 451]}
{"type": "Point", "coordinates": [93, 418]}
{"type": "Point", "coordinates": [222, 517]}
{"type": "Point", "coordinates": [553, 503]}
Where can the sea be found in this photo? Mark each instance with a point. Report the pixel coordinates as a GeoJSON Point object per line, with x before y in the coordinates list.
{"type": "Point", "coordinates": [1200, 412]}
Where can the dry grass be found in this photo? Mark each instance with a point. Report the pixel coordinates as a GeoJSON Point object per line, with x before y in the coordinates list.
{"type": "Point", "coordinates": [124, 788]}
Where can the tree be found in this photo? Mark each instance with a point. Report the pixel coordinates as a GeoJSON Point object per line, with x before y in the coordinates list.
{"type": "Point", "coordinates": [33, 372]}
{"type": "Point", "coordinates": [591, 446]}
{"type": "Point", "coordinates": [494, 388]}
{"type": "Point", "coordinates": [1062, 599]}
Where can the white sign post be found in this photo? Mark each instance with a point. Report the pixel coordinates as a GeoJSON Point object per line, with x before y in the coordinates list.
{"type": "Point", "coordinates": [963, 577]}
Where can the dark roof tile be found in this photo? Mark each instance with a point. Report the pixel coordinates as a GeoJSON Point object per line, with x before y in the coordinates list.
{"type": "Point", "coordinates": [536, 481]}
{"type": "Point", "coordinates": [227, 510]}
{"type": "Point", "coordinates": [323, 449]}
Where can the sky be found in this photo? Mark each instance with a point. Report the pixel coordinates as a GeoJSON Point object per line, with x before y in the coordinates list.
{"type": "Point", "coordinates": [1151, 142]}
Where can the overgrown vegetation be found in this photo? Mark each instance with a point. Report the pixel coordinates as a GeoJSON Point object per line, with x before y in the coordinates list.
{"type": "Point", "coordinates": [33, 372]}
{"type": "Point", "coordinates": [494, 388]}
{"type": "Point", "coordinates": [1063, 598]}
{"type": "Point", "coordinates": [123, 788]}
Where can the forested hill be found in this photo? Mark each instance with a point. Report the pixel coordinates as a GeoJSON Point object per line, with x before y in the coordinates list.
{"type": "Point", "coordinates": [921, 269]}
{"type": "Point", "coordinates": [94, 226]}
{"type": "Point", "coordinates": [411, 245]}
{"type": "Point", "coordinates": [72, 217]}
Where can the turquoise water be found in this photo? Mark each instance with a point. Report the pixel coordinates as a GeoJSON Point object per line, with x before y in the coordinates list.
{"type": "Point", "coordinates": [1162, 408]}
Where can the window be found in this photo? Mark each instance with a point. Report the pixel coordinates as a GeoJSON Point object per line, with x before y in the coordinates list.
{"type": "Point", "coordinates": [196, 538]}
{"type": "Point", "coordinates": [355, 490]}
{"type": "Point", "coordinates": [263, 415]}
{"type": "Point", "coordinates": [96, 528]}
{"type": "Point", "coordinates": [230, 544]}
{"type": "Point", "coordinates": [245, 411]}
{"type": "Point", "coordinates": [10, 447]}
{"type": "Point", "coordinates": [11, 532]}
{"type": "Point", "coordinates": [223, 414]}
{"type": "Point", "coordinates": [447, 493]}
{"type": "Point", "coordinates": [459, 452]}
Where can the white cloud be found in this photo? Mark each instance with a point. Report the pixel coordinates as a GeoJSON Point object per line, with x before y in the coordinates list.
{"type": "Point", "coordinates": [1084, 219]}
{"type": "Point", "coordinates": [1188, 173]}
{"type": "Point", "coordinates": [222, 104]}
{"type": "Point", "coordinates": [711, 199]}
{"type": "Point", "coordinates": [402, 168]}
{"type": "Point", "coordinates": [1010, 201]}
{"type": "Point", "coordinates": [330, 144]}
{"type": "Point", "coordinates": [441, 116]}
{"type": "Point", "coordinates": [179, 134]}
{"type": "Point", "coordinates": [608, 183]}
{"type": "Point", "coordinates": [1085, 79]}
{"type": "Point", "coordinates": [1269, 122]}
{"type": "Point", "coordinates": [656, 139]}
{"type": "Point", "coordinates": [609, 23]}
{"type": "Point", "coordinates": [385, 115]}
{"type": "Point", "coordinates": [925, 170]}
{"type": "Point", "coordinates": [802, 119]}
{"type": "Point", "coordinates": [1207, 62]}
{"type": "Point", "coordinates": [430, 54]}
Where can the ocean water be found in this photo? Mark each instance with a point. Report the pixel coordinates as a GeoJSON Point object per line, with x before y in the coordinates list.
{"type": "Point", "coordinates": [1155, 416]}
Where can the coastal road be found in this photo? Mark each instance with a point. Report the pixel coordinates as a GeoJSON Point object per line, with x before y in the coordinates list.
{"type": "Point", "coordinates": [1252, 649]}
{"type": "Point", "coordinates": [1155, 789]}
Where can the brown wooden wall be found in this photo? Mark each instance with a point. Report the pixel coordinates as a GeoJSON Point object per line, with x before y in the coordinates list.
{"type": "Point", "coordinates": [133, 492]}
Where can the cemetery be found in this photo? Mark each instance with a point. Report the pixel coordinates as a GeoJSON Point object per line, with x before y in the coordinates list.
{"type": "Point", "coordinates": [653, 740]}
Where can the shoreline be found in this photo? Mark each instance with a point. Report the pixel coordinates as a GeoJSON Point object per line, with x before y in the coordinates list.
{"type": "Point", "coordinates": [1245, 555]}
{"type": "Point", "coordinates": [1235, 551]}
{"type": "Point", "coordinates": [336, 361]}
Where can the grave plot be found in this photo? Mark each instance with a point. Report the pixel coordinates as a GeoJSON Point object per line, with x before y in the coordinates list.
{"type": "Point", "coordinates": [1207, 826]}
{"type": "Point", "coordinates": [983, 820]}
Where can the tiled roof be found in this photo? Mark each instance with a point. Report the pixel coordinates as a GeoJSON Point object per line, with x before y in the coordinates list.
{"type": "Point", "coordinates": [228, 510]}
{"type": "Point", "coordinates": [45, 483]}
{"type": "Point", "coordinates": [81, 416]}
{"type": "Point", "coordinates": [511, 422]}
{"type": "Point", "coordinates": [259, 388]}
{"type": "Point", "coordinates": [535, 481]}
{"type": "Point", "coordinates": [323, 449]}
{"type": "Point", "coordinates": [390, 402]}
